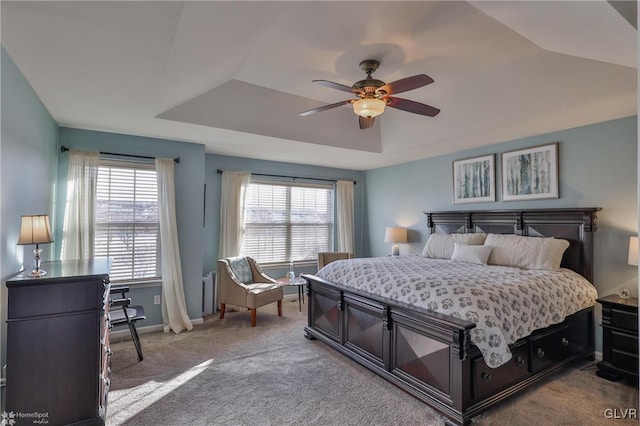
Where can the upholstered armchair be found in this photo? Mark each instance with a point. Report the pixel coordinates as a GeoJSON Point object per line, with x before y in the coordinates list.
{"type": "Point", "coordinates": [242, 283]}
{"type": "Point", "coordinates": [327, 257]}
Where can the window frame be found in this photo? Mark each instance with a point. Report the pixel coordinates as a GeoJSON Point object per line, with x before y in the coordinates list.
{"type": "Point", "coordinates": [131, 165]}
{"type": "Point", "coordinates": [328, 185]}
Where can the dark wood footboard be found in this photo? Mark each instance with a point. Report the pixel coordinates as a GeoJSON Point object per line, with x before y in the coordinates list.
{"type": "Point", "coordinates": [429, 355]}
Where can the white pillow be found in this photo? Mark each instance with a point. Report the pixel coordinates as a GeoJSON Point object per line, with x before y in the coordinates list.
{"type": "Point", "coordinates": [471, 254]}
{"type": "Point", "coordinates": [440, 246]}
{"type": "Point", "coordinates": [526, 252]}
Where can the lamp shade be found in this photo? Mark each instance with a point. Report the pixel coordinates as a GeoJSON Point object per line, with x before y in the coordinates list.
{"type": "Point", "coordinates": [633, 251]}
{"type": "Point", "coordinates": [35, 229]}
{"type": "Point", "coordinates": [395, 235]}
{"type": "Point", "coordinates": [369, 107]}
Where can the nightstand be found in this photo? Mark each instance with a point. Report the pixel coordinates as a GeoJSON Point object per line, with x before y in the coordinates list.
{"type": "Point", "coordinates": [619, 337]}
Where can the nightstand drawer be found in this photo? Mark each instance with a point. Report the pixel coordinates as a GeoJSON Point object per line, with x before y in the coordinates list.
{"type": "Point", "coordinates": [624, 360]}
{"type": "Point", "coordinates": [624, 320]}
{"type": "Point", "coordinates": [624, 342]}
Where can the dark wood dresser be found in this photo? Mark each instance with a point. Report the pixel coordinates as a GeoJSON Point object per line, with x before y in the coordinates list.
{"type": "Point", "coordinates": [58, 344]}
{"type": "Point", "coordinates": [619, 337]}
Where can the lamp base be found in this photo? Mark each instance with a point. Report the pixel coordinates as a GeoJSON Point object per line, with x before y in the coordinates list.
{"type": "Point", "coordinates": [37, 261]}
{"type": "Point", "coordinates": [395, 250]}
{"type": "Point", "coordinates": [37, 273]}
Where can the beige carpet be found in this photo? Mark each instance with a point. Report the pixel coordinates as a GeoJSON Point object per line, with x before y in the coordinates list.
{"type": "Point", "coordinates": [225, 372]}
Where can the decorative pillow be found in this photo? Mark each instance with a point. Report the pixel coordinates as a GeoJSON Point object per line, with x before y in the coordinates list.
{"type": "Point", "coordinates": [526, 252]}
{"type": "Point", "coordinates": [440, 246]}
{"type": "Point", "coordinates": [241, 269]}
{"type": "Point", "coordinates": [471, 254]}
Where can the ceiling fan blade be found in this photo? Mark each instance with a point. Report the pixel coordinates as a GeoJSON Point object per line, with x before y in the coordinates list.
{"type": "Point", "coordinates": [366, 122]}
{"type": "Point", "coordinates": [412, 106]}
{"type": "Point", "coordinates": [406, 84]}
{"type": "Point", "coordinates": [337, 86]}
{"type": "Point", "coordinates": [325, 107]}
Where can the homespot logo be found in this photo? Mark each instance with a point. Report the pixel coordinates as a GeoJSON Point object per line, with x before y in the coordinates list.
{"type": "Point", "coordinates": [10, 418]}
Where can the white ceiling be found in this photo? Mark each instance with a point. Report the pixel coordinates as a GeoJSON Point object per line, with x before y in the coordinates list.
{"type": "Point", "coordinates": [234, 75]}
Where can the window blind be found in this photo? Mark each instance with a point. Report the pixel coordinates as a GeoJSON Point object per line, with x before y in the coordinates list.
{"type": "Point", "coordinates": [287, 221]}
{"type": "Point", "coordinates": [127, 222]}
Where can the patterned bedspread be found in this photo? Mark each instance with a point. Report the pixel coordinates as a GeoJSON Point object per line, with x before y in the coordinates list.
{"type": "Point", "coordinates": [505, 303]}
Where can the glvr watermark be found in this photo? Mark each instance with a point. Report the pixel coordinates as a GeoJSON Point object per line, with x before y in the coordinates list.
{"type": "Point", "coordinates": [621, 413]}
{"type": "Point", "coordinates": [12, 417]}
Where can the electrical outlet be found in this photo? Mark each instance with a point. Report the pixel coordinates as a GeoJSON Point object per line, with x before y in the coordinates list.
{"type": "Point", "coordinates": [156, 299]}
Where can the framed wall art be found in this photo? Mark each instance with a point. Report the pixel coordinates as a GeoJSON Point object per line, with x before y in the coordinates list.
{"type": "Point", "coordinates": [531, 173]}
{"type": "Point", "coordinates": [474, 180]}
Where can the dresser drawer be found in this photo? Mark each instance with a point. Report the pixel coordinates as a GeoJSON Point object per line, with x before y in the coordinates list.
{"type": "Point", "coordinates": [488, 381]}
{"type": "Point", "coordinates": [55, 298]}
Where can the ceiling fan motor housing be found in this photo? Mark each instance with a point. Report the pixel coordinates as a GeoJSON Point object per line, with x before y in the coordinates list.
{"type": "Point", "coordinates": [373, 95]}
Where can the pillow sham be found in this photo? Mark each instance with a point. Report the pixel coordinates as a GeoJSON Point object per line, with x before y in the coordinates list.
{"type": "Point", "coordinates": [471, 254]}
{"type": "Point", "coordinates": [526, 252]}
{"type": "Point", "coordinates": [440, 246]}
{"type": "Point", "coordinates": [241, 269]}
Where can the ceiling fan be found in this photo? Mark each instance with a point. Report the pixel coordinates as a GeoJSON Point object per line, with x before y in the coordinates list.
{"type": "Point", "coordinates": [374, 95]}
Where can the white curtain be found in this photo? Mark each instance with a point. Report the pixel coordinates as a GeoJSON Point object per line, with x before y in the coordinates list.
{"type": "Point", "coordinates": [78, 230]}
{"type": "Point", "coordinates": [345, 232]}
{"type": "Point", "coordinates": [174, 307]}
{"type": "Point", "coordinates": [233, 193]}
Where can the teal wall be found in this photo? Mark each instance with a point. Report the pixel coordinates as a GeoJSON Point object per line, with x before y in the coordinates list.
{"type": "Point", "coordinates": [213, 179]}
{"type": "Point", "coordinates": [27, 173]}
{"type": "Point", "coordinates": [189, 177]}
{"type": "Point", "coordinates": [597, 166]}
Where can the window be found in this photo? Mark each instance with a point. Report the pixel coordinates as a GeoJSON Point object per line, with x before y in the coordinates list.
{"type": "Point", "coordinates": [127, 223]}
{"type": "Point", "coordinates": [287, 221]}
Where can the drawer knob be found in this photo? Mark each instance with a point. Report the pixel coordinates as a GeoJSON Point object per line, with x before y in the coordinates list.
{"type": "Point", "coordinates": [486, 376]}
{"type": "Point", "coordinates": [520, 361]}
{"type": "Point", "coordinates": [540, 353]}
{"type": "Point", "coordinates": [565, 342]}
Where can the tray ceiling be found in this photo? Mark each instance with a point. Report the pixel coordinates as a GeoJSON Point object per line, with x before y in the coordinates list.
{"type": "Point", "coordinates": [234, 75]}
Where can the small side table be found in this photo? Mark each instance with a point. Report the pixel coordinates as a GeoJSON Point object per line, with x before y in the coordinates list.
{"type": "Point", "coordinates": [300, 283]}
{"type": "Point", "coordinates": [619, 337]}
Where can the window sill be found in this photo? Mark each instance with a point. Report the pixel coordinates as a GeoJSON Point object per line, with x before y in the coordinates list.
{"type": "Point", "coordinates": [138, 284]}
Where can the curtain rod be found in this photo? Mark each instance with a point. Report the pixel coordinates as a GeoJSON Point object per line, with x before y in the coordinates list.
{"type": "Point", "coordinates": [177, 159]}
{"type": "Point", "coordinates": [285, 176]}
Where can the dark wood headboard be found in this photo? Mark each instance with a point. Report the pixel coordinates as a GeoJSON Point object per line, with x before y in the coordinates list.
{"type": "Point", "coordinates": [575, 225]}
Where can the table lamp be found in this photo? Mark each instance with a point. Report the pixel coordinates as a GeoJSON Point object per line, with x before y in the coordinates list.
{"type": "Point", "coordinates": [35, 229]}
{"type": "Point", "coordinates": [395, 235]}
{"type": "Point", "coordinates": [632, 260]}
{"type": "Point", "coordinates": [633, 251]}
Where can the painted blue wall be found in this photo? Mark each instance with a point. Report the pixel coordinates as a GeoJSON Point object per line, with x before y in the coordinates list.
{"type": "Point", "coordinates": [597, 167]}
{"type": "Point", "coordinates": [27, 173]}
{"type": "Point", "coordinates": [213, 179]}
{"type": "Point", "coordinates": [189, 177]}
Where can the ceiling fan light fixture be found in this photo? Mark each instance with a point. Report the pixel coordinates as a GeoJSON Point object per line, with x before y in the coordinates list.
{"type": "Point", "coordinates": [369, 107]}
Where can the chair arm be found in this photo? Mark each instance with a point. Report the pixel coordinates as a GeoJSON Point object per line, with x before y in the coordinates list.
{"type": "Point", "coordinates": [120, 289]}
{"type": "Point", "coordinates": [258, 275]}
{"type": "Point", "coordinates": [265, 279]}
{"type": "Point", "coordinates": [120, 302]}
{"type": "Point", "coordinates": [233, 277]}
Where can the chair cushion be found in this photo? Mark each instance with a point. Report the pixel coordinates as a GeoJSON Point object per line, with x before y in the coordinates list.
{"type": "Point", "coordinates": [241, 269]}
{"type": "Point", "coordinates": [260, 294]}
